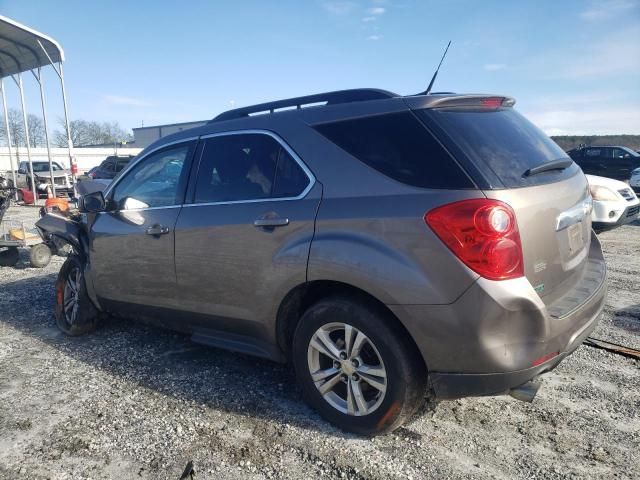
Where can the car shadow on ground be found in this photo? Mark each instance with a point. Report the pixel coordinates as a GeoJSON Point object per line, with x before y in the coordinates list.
{"type": "Point", "coordinates": [165, 361]}
{"type": "Point", "coordinates": [628, 318]}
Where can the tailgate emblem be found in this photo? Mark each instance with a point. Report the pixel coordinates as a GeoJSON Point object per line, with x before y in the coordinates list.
{"type": "Point", "coordinates": [575, 214]}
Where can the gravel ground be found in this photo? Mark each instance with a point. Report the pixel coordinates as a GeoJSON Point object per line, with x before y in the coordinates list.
{"type": "Point", "coordinates": [133, 401]}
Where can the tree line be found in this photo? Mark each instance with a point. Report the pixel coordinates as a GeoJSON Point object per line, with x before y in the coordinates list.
{"type": "Point", "coordinates": [83, 133]}
{"type": "Point", "coordinates": [567, 142]}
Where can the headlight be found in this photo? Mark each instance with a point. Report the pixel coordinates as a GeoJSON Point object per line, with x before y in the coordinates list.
{"type": "Point", "coordinates": [602, 193]}
{"type": "Point", "coordinates": [41, 180]}
{"type": "Point", "coordinates": [636, 171]}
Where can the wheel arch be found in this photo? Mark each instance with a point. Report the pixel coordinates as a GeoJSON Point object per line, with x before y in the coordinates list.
{"type": "Point", "coordinates": [301, 297]}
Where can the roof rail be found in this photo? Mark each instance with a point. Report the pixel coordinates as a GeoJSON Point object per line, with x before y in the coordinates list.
{"type": "Point", "coordinates": [329, 98]}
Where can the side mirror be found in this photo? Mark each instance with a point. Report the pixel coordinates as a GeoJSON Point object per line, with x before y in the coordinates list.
{"type": "Point", "coordinates": [92, 203]}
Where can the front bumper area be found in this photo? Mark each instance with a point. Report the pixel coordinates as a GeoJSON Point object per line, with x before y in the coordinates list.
{"type": "Point", "coordinates": [623, 213]}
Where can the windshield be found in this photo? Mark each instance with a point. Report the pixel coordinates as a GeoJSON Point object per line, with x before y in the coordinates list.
{"type": "Point", "coordinates": [501, 140]}
{"type": "Point", "coordinates": [44, 167]}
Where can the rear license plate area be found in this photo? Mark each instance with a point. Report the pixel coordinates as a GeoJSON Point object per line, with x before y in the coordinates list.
{"type": "Point", "coordinates": [576, 240]}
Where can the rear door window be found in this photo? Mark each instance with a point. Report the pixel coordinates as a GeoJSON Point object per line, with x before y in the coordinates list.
{"type": "Point", "coordinates": [290, 180]}
{"type": "Point", "coordinates": [236, 168]}
{"type": "Point", "coordinates": [501, 140]}
{"type": "Point", "coordinates": [400, 147]}
{"type": "Point", "coordinates": [247, 167]}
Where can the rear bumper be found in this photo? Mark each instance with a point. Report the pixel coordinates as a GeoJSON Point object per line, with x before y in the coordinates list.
{"type": "Point", "coordinates": [492, 338]}
{"type": "Point", "coordinates": [457, 385]}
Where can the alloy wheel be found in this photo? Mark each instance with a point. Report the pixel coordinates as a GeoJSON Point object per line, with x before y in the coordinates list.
{"type": "Point", "coordinates": [70, 295]}
{"type": "Point", "coordinates": [347, 369]}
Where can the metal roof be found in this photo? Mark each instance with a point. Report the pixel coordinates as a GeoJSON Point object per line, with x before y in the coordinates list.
{"type": "Point", "coordinates": [23, 49]}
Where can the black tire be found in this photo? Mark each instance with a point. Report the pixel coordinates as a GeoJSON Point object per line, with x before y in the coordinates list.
{"type": "Point", "coordinates": [405, 372]}
{"type": "Point", "coordinates": [85, 319]}
{"type": "Point", "coordinates": [40, 255]}
{"type": "Point", "coordinates": [9, 257]}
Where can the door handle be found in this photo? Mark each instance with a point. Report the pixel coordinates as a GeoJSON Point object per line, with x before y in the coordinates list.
{"type": "Point", "coordinates": [271, 222]}
{"type": "Point", "coordinates": [157, 230]}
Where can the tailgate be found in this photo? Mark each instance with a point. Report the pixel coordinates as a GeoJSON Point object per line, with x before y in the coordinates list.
{"type": "Point", "coordinates": [555, 228]}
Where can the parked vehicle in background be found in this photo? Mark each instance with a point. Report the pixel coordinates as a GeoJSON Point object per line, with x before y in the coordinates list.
{"type": "Point", "coordinates": [88, 175]}
{"type": "Point", "coordinates": [42, 177]}
{"type": "Point", "coordinates": [606, 161]}
{"type": "Point", "coordinates": [634, 181]}
{"type": "Point", "coordinates": [110, 167]}
{"type": "Point", "coordinates": [384, 244]}
{"type": "Point", "coordinates": [614, 203]}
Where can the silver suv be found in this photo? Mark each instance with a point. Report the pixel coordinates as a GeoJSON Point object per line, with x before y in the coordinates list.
{"type": "Point", "coordinates": [390, 247]}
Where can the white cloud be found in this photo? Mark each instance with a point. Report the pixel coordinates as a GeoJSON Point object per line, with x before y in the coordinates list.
{"type": "Point", "coordinates": [369, 19]}
{"type": "Point", "coordinates": [492, 67]}
{"type": "Point", "coordinates": [339, 8]}
{"type": "Point", "coordinates": [376, 10]}
{"type": "Point", "coordinates": [608, 9]}
{"type": "Point", "coordinates": [374, 38]}
{"type": "Point", "coordinates": [121, 100]}
{"type": "Point", "coordinates": [591, 121]}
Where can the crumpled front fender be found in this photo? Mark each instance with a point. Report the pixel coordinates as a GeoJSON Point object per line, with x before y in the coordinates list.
{"type": "Point", "coordinates": [67, 229]}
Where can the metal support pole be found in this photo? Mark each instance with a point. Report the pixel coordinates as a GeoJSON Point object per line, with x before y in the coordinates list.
{"type": "Point", "coordinates": [46, 130]}
{"type": "Point", "coordinates": [60, 73]}
{"type": "Point", "coordinates": [66, 122]}
{"type": "Point", "coordinates": [26, 136]}
{"type": "Point", "coordinates": [6, 126]}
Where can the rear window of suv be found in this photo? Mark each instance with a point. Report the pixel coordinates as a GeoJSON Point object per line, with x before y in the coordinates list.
{"type": "Point", "coordinates": [398, 146]}
{"type": "Point", "coordinates": [501, 140]}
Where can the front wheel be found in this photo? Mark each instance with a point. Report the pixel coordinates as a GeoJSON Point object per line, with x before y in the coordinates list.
{"type": "Point", "coordinates": [75, 313]}
{"type": "Point", "coordinates": [355, 368]}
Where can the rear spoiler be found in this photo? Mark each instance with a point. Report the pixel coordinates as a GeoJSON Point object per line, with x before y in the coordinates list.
{"type": "Point", "coordinates": [461, 101]}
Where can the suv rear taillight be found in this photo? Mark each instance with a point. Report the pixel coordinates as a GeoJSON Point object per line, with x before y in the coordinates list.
{"type": "Point", "coordinates": [483, 233]}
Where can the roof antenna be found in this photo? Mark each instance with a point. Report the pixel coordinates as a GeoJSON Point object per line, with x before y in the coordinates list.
{"type": "Point", "coordinates": [433, 79]}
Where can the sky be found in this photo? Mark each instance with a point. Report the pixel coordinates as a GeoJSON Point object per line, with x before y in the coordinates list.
{"type": "Point", "coordinates": [572, 65]}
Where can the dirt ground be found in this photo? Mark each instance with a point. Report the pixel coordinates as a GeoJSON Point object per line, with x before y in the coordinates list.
{"type": "Point", "coordinates": [133, 401]}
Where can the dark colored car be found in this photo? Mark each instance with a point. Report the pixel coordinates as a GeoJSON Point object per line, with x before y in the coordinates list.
{"type": "Point", "coordinates": [606, 161]}
{"type": "Point", "coordinates": [388, 246]}
{"type": "Point", "coordinates": [110, 167]}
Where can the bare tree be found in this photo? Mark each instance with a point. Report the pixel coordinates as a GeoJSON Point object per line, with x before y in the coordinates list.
{"type": "Point", "coordinates": [84, 133]}
{"type": "Point", "coordinates": [16, 127]}
{"type": "Point", "coordinates": [36, 131]}
{"type": "Point", "coordinates": [79, 133]}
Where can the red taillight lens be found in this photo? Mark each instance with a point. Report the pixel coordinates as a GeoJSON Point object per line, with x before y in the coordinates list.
{"type": "Point", "coordinates": [483, 233]}
{"type": "Point", "coordinates": [92, 174]}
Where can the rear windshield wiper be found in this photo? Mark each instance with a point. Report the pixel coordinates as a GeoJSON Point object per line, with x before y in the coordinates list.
{"type": "Point", "coordinates": [560, 164]}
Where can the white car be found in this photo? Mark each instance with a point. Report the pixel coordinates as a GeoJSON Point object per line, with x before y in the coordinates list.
{"type": "Point", "coordinates": [634, 181]}
{"type": "Point", "coordinates": [614, 203]}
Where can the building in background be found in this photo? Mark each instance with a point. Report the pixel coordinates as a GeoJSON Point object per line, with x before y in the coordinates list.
{"type": "Point", "coordinates": [145, 136]}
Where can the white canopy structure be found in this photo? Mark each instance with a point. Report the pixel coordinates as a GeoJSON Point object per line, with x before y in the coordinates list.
{"type": "Point", "coordinates": [23, 49]}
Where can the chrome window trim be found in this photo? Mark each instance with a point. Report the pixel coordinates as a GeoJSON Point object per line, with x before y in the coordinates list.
{"type": "Point", "coordinates": [310, 176]}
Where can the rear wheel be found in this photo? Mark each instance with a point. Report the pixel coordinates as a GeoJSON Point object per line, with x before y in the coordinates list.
{"type": "Point", "coordinates": [9, 256]}
{"type": "Point", "coordinates": [75, 313]}
{"type": "Point", "coordinates": [355, 369]}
